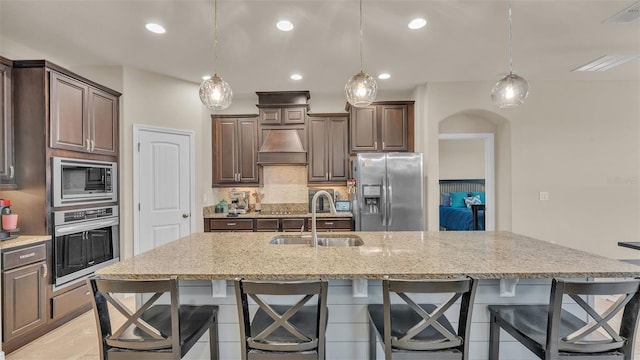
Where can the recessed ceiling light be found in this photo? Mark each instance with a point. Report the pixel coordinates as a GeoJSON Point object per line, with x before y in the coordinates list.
{"type": "Point", "coordinates": [284, 25]}
{"type": "Point", "coordinates": [206, 77]}
{"type": "Point", "coordinates": [155, 28]}
{"type": "Point", "coordinates": [416, 24]}
{"type": "Point", "coordinates": [296, 77]}
{"type": "Point", "coordinates": [384, 76]}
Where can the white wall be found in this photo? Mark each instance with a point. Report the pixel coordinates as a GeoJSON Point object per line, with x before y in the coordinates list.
{"type": "Point", "coordinates": [576, 140]}
{"type": "Point", "coordinates": [461, 159]}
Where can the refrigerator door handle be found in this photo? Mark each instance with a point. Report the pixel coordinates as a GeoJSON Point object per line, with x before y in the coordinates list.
{"type": "Point", "coordinates": [383, 202]}
{"type": "Point", "coordinates": [389, 197]}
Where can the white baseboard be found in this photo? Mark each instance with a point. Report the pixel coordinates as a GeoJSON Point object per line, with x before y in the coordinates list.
{"type": "Point", "coordinates": [1, 355]}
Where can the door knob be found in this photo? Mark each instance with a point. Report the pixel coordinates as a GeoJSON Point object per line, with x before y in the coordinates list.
{"type": "Point", "coordinates": [185, 215]}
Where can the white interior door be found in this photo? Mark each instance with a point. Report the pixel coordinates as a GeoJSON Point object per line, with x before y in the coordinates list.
{"type": "Point", "coordinates": [164, 186]}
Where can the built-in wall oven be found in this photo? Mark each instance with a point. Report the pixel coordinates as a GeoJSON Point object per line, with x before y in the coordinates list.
{"type": "Point", "coordinates": [85, 240]}
{"type": "Point", "coordinates": [83, 182]}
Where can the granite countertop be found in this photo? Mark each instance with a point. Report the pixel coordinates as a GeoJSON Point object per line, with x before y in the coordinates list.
{"type": "Point", "coordinates": [23, 240]}
{"type": "Point", "coordinates": [259, 215]}
{"type": "Point", "coordinates": [410, 255]}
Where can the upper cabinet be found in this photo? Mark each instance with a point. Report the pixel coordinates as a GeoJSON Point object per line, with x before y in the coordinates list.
{"type": "Point", "coordinates": [235, 142]}
{"type": "Point", "coordinates": [83, 118]}
{"type": "Point", "coordinates": [383, 126]}
{"type": "Point", "coordinates": [282, 115]}
{"type": "Point", "coordinates": [63, 112]}
{"type": "Point", "coordinates": [7, 169]}
{"type": "Point", "coordinates": [328, 148]}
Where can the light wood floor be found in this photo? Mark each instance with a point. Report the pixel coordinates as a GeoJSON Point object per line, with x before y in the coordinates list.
{"type": "Point", "coordinates": [75, 340]}
{"type": "Point", "coordinates": [78, 340]}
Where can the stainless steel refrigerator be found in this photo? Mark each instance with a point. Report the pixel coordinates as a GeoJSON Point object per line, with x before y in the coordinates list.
{"type": "Point", "coordinates": [389, 194]}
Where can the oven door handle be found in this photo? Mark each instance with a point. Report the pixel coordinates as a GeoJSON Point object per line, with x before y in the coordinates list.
{"type": "Point", "coordinates": [93, 225]}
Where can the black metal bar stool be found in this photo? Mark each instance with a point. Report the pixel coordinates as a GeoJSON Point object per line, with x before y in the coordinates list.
{"type": "Point", "coordinates": [551, 332]}
{"type": "Point", "coordinates": [152, 331]}
{"type": "Point", "coordinates": [422, 331]}
{"type": "Point", "coordinates": [294, 331]}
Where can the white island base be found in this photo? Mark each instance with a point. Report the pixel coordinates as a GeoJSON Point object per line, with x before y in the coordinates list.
{"type": "Point", "coordinates": [347, 334]}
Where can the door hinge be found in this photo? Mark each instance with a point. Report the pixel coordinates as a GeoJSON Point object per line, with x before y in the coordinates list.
{"type": "Point", "coordinates": [138, 206]}
{"type": "Point", "coordinates": [138, 147]}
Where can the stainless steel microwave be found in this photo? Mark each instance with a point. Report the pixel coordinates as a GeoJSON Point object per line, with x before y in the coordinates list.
{"type": "Point", "coordinates": [83, 182]}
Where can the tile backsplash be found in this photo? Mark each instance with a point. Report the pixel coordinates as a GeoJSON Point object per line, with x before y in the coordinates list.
{"type": "Point", "coordinates": [281, 184]}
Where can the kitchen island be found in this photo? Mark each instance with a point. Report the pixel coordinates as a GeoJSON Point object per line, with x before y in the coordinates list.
{"type": "Point", "coordinates": [411, 255]}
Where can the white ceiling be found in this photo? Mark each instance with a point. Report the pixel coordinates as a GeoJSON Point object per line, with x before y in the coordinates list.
{"type": "Point", "coordinates": [463, 41]}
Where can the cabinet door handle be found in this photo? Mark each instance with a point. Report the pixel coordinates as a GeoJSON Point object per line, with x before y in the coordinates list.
{"type": "Point", "coordinates": [375, 144]}
{"type": "Point", "coordinates": [11, 172]}
{"type": "Point", "coordinates": [185, 215]}
{"type": "Point", "coordinates": [328, 223]}
{"type": "Point", "coordinates": [383, 146]}
{"type": "Point", "coordinates": [45, 270]}
{"type": "Point", "coordinates": [88, 145]}
{"type": "Point", "coordinates": [231, 224]}
{"type": "Point", "coordinates": [93, 145]}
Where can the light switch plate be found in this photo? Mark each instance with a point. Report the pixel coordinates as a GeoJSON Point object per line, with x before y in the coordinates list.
{"type": "Point", "coordinates": [544, 195]}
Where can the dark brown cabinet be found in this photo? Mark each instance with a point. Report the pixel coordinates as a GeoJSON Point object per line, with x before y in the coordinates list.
{"type": "Point", "coordinates": [282, 115]}
{"type": "Point", "coordinates": [7, 169]}
{"type": "Point", "coordinates": [332, 224]}
{"type": "Point", "coordinates": [235, 142]}
{"type": "Point", "coordinates": [328, 148]}
{"type": "Point", "coordinates": [382, 127]}
{"type": "Point", "coordinates": [228, 225]}
{"type": "Point", "coordinates": [24, 291]}
{"type": "Point", "coordinates": [286, 224]}
{"type": "Point", "coordinates": [83, 118]}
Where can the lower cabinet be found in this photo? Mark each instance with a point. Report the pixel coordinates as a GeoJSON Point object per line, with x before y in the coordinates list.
{"type": "Point", "coordinates": [332, 224]}
{"type": "Point", "coordinates": [277, 224]}
{"type": "Point", "coordinates": [24, 291]}
{"type": "Point", "coordinates": [30, 307]}
{"type": "Point", "coordinates": [228, 225]}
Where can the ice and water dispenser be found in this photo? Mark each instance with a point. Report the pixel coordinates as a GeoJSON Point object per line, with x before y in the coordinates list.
{"type": "Point", "coordinates": [371, 199]}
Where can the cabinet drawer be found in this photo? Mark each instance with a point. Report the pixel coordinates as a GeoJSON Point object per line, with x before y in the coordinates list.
{"type": "Point", "coordinates": [21, 257]}
{"type": "Point", "coordinates": [71, 300]}
{"type": "Point", "coordinates": [267, 224]}
{"type": "Point", "coordinates": [231, 224]}
{"type": "Point", "coordinates": [333, 224]}
{"type": "Point", "coordinates": [292, 224]}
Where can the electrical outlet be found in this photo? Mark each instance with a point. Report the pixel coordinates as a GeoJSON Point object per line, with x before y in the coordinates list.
{"type": "Point", "coordinates": [544, 195]}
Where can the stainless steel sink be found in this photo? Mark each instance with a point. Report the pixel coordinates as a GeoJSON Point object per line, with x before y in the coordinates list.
{"type": "Point", "coordinates": [350, 240]}
{"type": "Point", "coordinates": [326, 240]}
{"type": "Point", "coordinates": [291, 240]}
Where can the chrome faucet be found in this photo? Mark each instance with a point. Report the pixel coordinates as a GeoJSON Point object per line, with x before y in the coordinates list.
{"type": "Point", "coordinates": [314, 200]}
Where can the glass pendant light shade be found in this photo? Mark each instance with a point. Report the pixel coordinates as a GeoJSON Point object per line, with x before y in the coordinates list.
{"type": "Point", "coordinates": [216, 93]}
{"type": "Point", "coordinates": [361, 89]}
{"type": "Point", "coordinates": [511, 91]}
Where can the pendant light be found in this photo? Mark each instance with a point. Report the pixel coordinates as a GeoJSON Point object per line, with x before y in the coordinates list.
{"type": "Point", "coordinates": [361, 89]}
{"type": "Point", "coordinates": [215, 93]}
{"type": "Point", "coordinates": [512, 90]}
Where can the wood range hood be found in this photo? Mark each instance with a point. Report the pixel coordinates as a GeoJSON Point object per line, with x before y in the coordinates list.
{"type": "Point", "coordinates": [282, 127]}
{"type": "Point", "coordinates": [281, 147]}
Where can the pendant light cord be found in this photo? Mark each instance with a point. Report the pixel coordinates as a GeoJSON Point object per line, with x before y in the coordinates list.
{"type": "Point", "coordinates": [510, 55]}
{"type": "Point", "coordinates": [215, 37]}
{"type": "Point", "coordinates": [361, 38]}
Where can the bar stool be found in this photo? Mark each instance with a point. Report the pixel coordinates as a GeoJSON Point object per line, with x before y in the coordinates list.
{"type": "Point", "coordinates": [421, 331]}
{"type": "Point", "coordinates": [551, 332]}
{"type": "Point", "coordinates": [150, 331]}
{"type": "Point", "coordinates": [282, 331]}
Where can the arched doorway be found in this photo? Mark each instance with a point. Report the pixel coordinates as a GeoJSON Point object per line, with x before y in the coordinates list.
{"type": "Point", "coordinates": [492, 135]}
